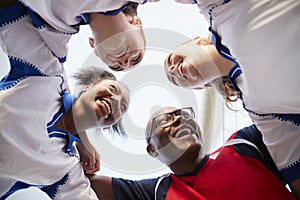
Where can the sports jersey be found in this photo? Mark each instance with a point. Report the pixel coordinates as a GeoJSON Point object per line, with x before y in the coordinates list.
{"type": "Point", "coordinates": [241, 169]}
{"type": "Point", "coordinates": [32, 100]}
{"type": "Point", "coordinates": [263, 38]}
{"type": "Point", "coordinates": [57, 20]}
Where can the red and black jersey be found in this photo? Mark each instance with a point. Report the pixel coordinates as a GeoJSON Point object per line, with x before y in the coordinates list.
{"type": "Point", "coordinates": [239, 171]}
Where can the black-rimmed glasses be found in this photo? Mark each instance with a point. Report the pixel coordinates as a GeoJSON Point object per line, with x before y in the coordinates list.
{"type": "Point", "coordinates": [166, 119]}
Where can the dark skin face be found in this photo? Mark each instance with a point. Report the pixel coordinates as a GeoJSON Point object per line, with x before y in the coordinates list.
{"type": "Point", "coordinates": [178, 145]}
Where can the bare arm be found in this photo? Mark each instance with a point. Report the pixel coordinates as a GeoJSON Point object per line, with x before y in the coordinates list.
{"type": "Point", "coordinates": [102, 185]}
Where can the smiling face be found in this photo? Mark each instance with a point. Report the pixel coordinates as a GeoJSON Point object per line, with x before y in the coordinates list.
{"type": "Point", "coordinates": [180, 140]}
{"type": "Point", "coordinates": [118, 40]}
{"type": "Point", "coordinates": [101, 105]}
{"type": "Point", "coordinates": [122, 51]}
{"type": "Point", "coordinates": [191, 65]}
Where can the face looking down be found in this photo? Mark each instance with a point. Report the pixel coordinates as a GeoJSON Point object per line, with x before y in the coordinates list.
{"type": "Point", "coordinates": [123, 47]}
{"type": "Point", "coordinates": [101, 105]}
{"type": "Point", "coordinates": [191, 65]}
{"type": "Point", "coordinates": [172, 133]}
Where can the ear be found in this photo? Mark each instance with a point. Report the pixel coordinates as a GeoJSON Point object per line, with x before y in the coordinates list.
{"type": "Point", "coordinates": [135, 20]}
{"type": "Point", "coordinates": [151, 151]}
{"type": "Point", "coordinates": [86, 87]}
{"type": "Point", "coordinates": [198, 40]}
{"type": "Point", "coordinates": [92, 42]}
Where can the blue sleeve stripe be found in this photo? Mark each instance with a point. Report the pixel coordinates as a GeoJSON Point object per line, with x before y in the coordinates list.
{"type": "Point", "coordinates": [11, 14]}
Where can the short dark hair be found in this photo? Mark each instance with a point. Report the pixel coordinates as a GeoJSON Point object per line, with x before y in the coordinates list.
{"type": "Point", "coordinates": [92, 75]}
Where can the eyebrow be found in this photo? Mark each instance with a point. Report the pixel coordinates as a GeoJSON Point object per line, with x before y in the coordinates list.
{"type": "Point", "coordinates": [116, 68]}
{"type": "Point", "coordinates": [138, 59]}
{"type": "Point", "coordinates": [168, 60]}
{"type": "Point", "coordinates": [171, 78]}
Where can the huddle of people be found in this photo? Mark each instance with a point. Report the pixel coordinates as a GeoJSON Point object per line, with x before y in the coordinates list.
{"type": "Point", "coordinates": [43, 142]}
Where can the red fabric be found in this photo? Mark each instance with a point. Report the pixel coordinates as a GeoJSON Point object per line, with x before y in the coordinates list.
{"type": "Point", "coordinates": [229, 176]}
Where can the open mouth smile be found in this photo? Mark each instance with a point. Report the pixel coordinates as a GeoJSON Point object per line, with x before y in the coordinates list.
{"type": "Point", "coordinates": [107, 106]}
{"type": "Point", "coordinates": [183, 132]}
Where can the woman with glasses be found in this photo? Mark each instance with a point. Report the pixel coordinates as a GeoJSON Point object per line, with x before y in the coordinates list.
{"type": "Point", "coordinates": [241, 169]}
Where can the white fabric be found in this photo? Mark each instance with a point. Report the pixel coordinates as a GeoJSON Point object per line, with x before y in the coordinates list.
{"type": "Point", "coordinates": [64, 15]}
{"type": "Point", "coordinates": [27, 153]}
{"type": "Point", "coordinates": [22, 41]}
{"type": "Point", "coordinates": [264, 37]}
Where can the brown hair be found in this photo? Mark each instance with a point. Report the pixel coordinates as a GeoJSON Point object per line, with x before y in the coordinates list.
{"type": "Point", "coordinates": [131, 9]}
{"type": "Point", "coordinates": [224, 87]}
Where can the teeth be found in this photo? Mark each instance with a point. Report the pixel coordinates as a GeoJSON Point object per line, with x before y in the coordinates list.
{"type": "Point", "coordinates": [183, 132]}
{"type": "Point", "coordinates": [107, 106]}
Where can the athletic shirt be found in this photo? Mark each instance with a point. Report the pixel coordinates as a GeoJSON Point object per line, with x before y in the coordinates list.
{"type": "Point", "coordinates": [57, 20]}
{"type": "Point", "coordinates": [32, 99]}
{"type": "Point", "coordinates": [238, 171]}
{"type": "Point", "coordinates": [263, 38]}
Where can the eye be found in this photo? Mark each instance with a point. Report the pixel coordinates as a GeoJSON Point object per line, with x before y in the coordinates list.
{"type": "Point", "coordinates": [116, 68]}
{"type": "Point", "coordinates": [163, 119]}
{"type": "Point", "coordinates": [114, 89]}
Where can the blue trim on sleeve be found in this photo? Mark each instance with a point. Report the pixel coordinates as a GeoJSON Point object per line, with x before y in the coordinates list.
{"type": "Point", "coordinates": [233, 73]}
{"type": "Point", "coordinates": [19, 70]}
{"type": "Point", "coordinates": [62, 59]}
{"type": "Point", "coordinates": [292, 118]}
{"type": "Point", "coordinates": [223, 50]}
{"type": "Point", "coordinates": [291, 173]}
{"type": "Point", "coordinates": [12, 14]}
{"type": "Point", "coordinates": [37, 21]}
{"type": "Point", "coordinates": [50, 190]}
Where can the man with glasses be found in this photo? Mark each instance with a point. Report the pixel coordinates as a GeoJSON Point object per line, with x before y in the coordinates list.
{"type": "Point", "coordinates": [241, 169]}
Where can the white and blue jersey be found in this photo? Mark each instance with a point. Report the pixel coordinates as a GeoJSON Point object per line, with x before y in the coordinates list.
{"type": "Point", "coordinates": [57, 20]}
{"type": "Point", "coordinates": [263, 37]}
{"type": "Point", "coordinates": [32, 100]}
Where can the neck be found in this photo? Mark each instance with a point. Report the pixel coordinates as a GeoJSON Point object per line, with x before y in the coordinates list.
{"type": "Point", "coordinates": [223, 64]}
{"type": "Point", "coordinates": [67, 123]}
{"type": "Point", "coordinates": [187, 166]}
{"type": "Point", "coordinates": [106, 26]}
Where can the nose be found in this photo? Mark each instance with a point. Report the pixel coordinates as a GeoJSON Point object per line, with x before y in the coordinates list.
{"type": "Point", "coordinates": [124, 61]}
{"type": "Point", "coordinates": [177, 120]}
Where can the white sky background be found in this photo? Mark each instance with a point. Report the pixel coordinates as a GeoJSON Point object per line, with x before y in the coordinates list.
{"type": "Point", "coordinates": [167, 25]}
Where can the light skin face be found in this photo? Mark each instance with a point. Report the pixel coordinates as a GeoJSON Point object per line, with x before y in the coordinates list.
{"type": "Point", "coordinates": [119, 40]}
{"type": "Point", "coordinates": [180, 143]}
{"type": "Point", "coordinates": [195, 63]}
{"type": "Point", "coordinates": [100, 105]}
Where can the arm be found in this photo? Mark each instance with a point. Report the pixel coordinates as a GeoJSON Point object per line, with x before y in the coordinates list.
{"type": "Point", "coordinates": [102, 185]}
{"type": "Point", "coordinates": [90, 158]}
{"type": "Point", "coordinates": [109, 188]}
